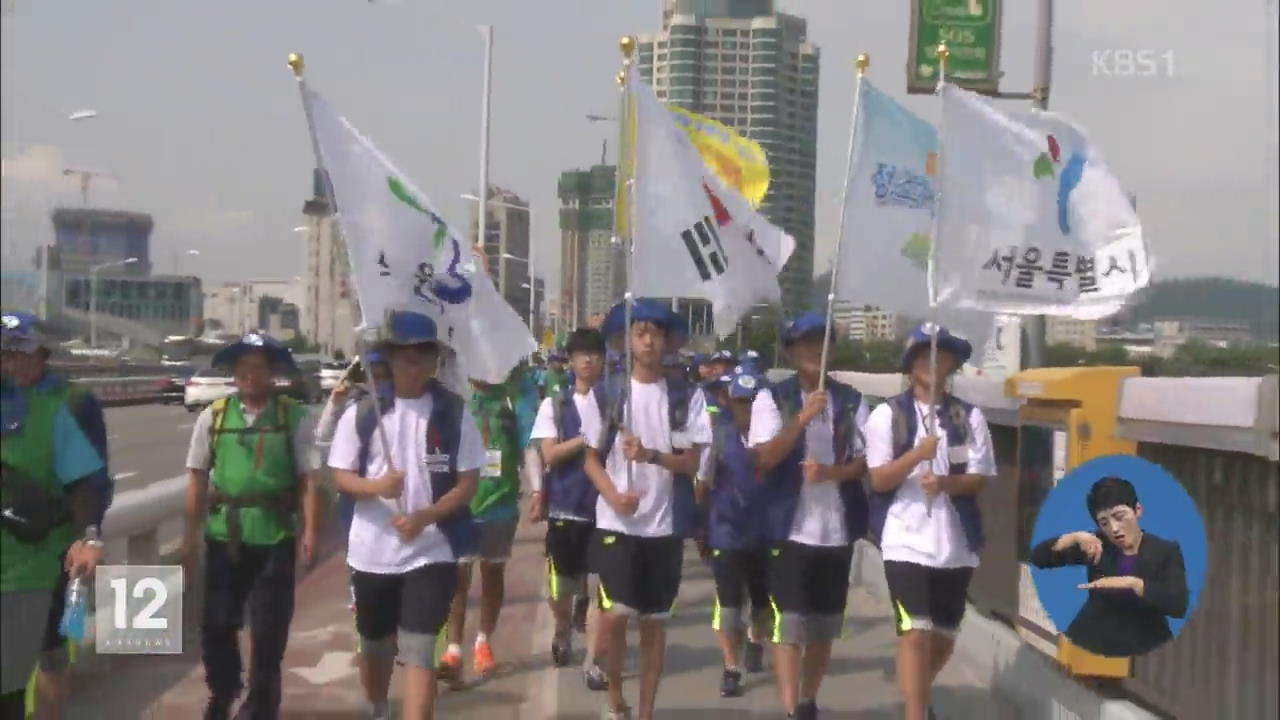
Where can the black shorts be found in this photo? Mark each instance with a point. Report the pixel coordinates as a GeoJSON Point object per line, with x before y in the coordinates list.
{"type": "Point", "coordinates": [927, 598]}
{"type": "Point", "coordinates": [55, 649]}
{"type": "Point", "coordinates": [416, 601]}
{"type": "Point", "coordinates": [568, 542]}
{"type": "Point", "coordinates": [741, 576]}
{"type": "Point", "coordinates": [809, 585]}
{"type": "Point", "coordinates": [638, 575]}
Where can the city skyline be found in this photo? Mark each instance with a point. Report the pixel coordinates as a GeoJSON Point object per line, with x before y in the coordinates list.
{"type": "Point", "coordinates": [208, 136]}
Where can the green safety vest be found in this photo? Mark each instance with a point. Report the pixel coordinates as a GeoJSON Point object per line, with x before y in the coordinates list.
{"type": "Point", "coordinates": [498, 427]}
{"type": "Point", "coordinates": [251, 463]}
{"type": "Point", "coordinates": [30, 451]}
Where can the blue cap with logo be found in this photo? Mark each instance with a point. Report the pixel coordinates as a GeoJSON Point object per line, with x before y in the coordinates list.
{"type": "Point", "coordinates": [744, 385]}
{"type": "Point", "coordinates": [25, 333]}
{"type": "Point", "coordinates": [921, 337]}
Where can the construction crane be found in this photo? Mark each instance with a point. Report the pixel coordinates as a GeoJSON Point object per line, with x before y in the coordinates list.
{"type": "Point", "coordinates": [86, 176]}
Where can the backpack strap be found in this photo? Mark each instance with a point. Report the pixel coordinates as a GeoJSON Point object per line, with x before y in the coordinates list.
{"type": "Point", "coordinates": [904, 423]}
{"type": "Point", "coordinates": [216, 426]}
{"type": "Point", "coordinates": [679, 392]}
{"type": "Point", "coordinates": [366, 424]}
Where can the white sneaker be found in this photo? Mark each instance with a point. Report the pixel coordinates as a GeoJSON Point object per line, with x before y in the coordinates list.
{"type": "Point", "coordinates": [611, 714]}
{"type": "Point", "coordinates": [380, 711]}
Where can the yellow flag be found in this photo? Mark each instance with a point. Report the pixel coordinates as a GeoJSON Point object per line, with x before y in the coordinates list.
{"type": "Point", "coordinates": [740, 163]}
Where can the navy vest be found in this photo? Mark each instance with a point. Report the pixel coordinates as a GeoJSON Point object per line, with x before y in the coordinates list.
{"type": "Point", "coordinates": [736, 501]}
{"type": "Point", "coordinates": [954, 417]}
{"type": "Point", "coordinates": [786, 480]}
{"type": "Point", "coordinates": [684, 505]}
{"type": "Point", "coordinates": [444, 436]}
{"type": "Point", "coordinates": [569, 490]}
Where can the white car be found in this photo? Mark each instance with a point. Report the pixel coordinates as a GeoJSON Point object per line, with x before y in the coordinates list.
{"type": "Point", "coordinates": [206, 386]}
{"type": "Point", "coordinates": [330, 373]}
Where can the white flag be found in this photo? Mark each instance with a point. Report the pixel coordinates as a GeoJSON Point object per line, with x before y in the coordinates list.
{"type": "Point", "coordinates": [693, 237]}
{"type": "Point", "coordinates": [1031, 220]}
{"type": "Point", "coordinates": [404, 256]}
{"type": "Point", "coordinates": [890, 203]}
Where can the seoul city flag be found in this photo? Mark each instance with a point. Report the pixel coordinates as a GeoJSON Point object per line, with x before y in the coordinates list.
{"type": "Point", "coordinates": [693, 236]}
{"type": "Point", "coordinates": [1031, 220]}
{"type": "Point", "coordinates": [405, 256]}
{"type": "Point", "coordinates": [884, 255]}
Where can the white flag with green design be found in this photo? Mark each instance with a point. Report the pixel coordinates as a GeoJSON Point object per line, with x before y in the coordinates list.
{"type": "Point", "coordinates": [404, 256]}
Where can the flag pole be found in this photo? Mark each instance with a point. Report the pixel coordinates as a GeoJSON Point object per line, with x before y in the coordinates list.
{"type": "Point", "coordinates": [297, 65]}
{"type": "Point", "coordinates": [931, 418]}
{"type": "Point", "coordinates": [626, 151]}
{"type": "Point", "coordinates": [862, 62]}
{"type": "Point", "coordinates": [482, 220]}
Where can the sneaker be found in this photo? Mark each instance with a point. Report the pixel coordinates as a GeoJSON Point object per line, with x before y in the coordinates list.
{"type": "Point", "coordinates": [580, 605]}
{"type": "Point", "coordinates": [754, 660]}
{"type": "Point", "coordinates": [596, 680]}
{"type": "Point", "coordinates": [483, 659]}
{"type": "Point", "coordinates": [561, 648]}
{"type": "Point", "coordinates": [450, 669]}
{"type": "Point", "coordinates": [807, 710]}
{"type": "Point", "coordinates": [380, 711]}
{"type": "Point", "coordinates": [622, 713]}
{"type": "Point", "coordinates": [731, 683]}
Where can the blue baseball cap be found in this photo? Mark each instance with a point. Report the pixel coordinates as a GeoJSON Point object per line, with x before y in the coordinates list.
{"type": "Point", "coordinates": [698, 359]}
{"type": "Point", "coordinates": [373, 357]}
{"type": "Point", "coordinates": [25, 333]}
{"type": "Point", "coordinates": [279, 356]}
{"type": "Point", "coordinates": [744, 385]}
{"type": "Point", "coordinates": [803, 326]}
{"type": "Point", "coordinates": [651, 311]}
{"type": "Point", "coordinates": [723, 356]}
{"type": "Point", "coordinates": [921, 337]}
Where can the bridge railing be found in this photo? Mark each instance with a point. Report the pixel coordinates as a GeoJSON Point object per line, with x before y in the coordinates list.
{"type": "Point", "coordinates": [125, 390]}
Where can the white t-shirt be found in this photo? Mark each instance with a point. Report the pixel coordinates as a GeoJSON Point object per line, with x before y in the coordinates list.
{"type": "Point", "coordinates": [819, 518]}
{"type": "Point", "coordinates": [650, 422]}
{"type": "Point", "coordinates": [373, 545]}
{"type": "Point", "coordinates": [544, 427]}
{"type": "Point", "coordinates": [912, 532]}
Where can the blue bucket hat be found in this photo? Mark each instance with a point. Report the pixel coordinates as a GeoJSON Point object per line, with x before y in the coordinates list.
{"type": "Point", "coordinates": [921, 338]}
{"type": "Point", "coordinates": [648, 310]}
{"type": "Point", "coordinates": [404, 327]}
{"type": "Point", "coordinates": [25, 333]}
{"type": "Point", "coordinates": [278, 356]}
{"type": "Point", "coordinates": [807, 324]}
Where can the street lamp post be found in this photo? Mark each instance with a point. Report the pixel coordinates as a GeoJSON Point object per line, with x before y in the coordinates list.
{"type": "Point", "coordinates": [93, 296]}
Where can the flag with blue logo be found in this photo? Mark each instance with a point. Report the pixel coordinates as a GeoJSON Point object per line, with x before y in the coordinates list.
{"type": "Point", "coordinates": [884, 254]}
{"type": "Point", "coordinates": [405, 256]}
{"type": "Point", "coordinates": [1030, 218]}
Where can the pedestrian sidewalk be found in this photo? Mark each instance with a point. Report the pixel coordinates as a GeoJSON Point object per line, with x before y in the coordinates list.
{"type": "Point", "coordinates": [321, 680]}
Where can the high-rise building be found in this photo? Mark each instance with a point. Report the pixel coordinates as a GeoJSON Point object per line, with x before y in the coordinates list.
{"type": "Point", "coordinates": [507, 246]}
{"type": "Point", "coordinates": [592, 269]}
{"type": "Point", "coordinates": [329, 311]}
{"type": "Point", "coordinates": [85, 237]}
{"type": "Point", "coordinates": [752, 68]}
{"type": "Point", "coordinates": [863, 323]}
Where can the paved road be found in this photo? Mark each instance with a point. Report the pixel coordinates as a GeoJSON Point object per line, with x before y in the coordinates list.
{"type": "Point", "coordinates": [149, 443]}
{"type": "Point", "coordinates": [321, 681]}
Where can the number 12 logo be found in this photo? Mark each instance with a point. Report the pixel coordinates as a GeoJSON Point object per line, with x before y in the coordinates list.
{"type": "Point", "coordinates": [146, 618]}
{"type": "Point", "coordinates": [138, 609]}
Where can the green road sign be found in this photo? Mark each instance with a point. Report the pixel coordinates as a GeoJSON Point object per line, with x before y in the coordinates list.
{"type": "Point", "coordinates": [971, 31]}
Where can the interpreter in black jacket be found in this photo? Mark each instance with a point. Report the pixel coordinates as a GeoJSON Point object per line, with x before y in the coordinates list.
{"type": "Point", "coordinates": [1136, 579]}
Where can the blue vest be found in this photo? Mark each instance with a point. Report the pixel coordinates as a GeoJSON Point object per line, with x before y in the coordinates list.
{"type": "Point", "coordinates": [736, 500]}
{"type": "Point", "coordinates": [684, 505]}
{"type": "Point", "coordinates": [569, 490]}
{"type": "Point", "coordinates": [786, 480]}
{"type": "Point", "coordinates": [444, 436]}
{"type": "Point", "coordinates": [954, 417]}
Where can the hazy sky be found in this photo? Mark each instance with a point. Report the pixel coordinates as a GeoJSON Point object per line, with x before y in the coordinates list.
{"type": "Point", "coordinates": [200, 123]}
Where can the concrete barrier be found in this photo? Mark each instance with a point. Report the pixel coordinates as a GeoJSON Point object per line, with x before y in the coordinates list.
{"type": "Point", "coordinates": [115, 391]}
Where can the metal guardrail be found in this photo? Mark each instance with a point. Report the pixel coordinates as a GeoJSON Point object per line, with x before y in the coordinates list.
{"type": "Point", "coordinates": [122, 390]}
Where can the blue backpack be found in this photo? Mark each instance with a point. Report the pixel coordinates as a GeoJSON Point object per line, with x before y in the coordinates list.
{"type": "Point", "coordinates": [679, 391]}
{"type": "Point", "coordinates": [87, 412]}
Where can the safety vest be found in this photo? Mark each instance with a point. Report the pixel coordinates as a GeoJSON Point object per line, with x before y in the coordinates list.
{"type": "Point", "coordinates": [735, 492]}
{"type": "Point", "coordinates": [253, 494]}
{"type": "Point", "coordinates": [29, 450]}
{"type": "Point", "coordinates": [569, 490]}
{"type": "Point", "coordinates": [786, 480]}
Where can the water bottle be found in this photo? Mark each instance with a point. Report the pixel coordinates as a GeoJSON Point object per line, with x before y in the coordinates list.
{"type": "Point", "coordinates": [76, 608]}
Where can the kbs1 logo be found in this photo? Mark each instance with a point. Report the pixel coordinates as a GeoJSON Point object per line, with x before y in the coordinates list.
{"type": "Point", "coordinates": [1132, 63]}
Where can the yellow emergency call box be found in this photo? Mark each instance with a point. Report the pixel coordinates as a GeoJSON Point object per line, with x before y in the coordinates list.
{"type": "Point", "coordinates": [1067, 417]}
